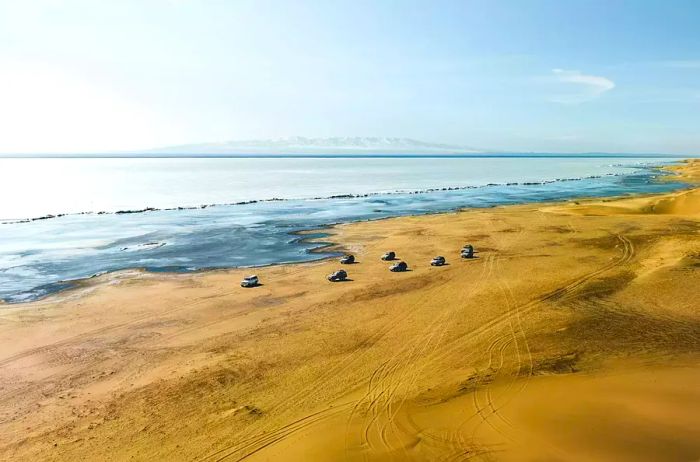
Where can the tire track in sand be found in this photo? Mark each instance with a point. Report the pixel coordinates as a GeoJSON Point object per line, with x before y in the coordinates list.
{"type": "Point", "coordinates": [561, 293]}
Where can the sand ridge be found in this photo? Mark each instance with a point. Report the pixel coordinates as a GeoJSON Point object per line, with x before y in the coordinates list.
{"type": "Point", "coordinates": [575, 335]}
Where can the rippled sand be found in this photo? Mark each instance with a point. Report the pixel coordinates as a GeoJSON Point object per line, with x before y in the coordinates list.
{"type": "Point", "coordinates": [574, 335]}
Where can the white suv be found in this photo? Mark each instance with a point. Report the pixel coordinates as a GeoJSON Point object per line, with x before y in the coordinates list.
{"type": "Point", "coordinates": [250, 281]}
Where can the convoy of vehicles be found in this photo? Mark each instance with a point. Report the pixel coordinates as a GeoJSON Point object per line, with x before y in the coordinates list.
{"type": "Point", "coordinates": [398, 267]}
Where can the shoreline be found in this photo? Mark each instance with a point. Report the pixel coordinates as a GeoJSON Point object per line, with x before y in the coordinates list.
{"type": "Point", "coordinates": [58, 287]}
{"type": "Point", "coordinates": [583, 312]}
{"type": "Point", "coordinates": [14, 221]}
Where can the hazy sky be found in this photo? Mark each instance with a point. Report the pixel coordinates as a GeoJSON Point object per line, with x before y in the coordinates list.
{"type": "Point", "coordinates": [85, 76]}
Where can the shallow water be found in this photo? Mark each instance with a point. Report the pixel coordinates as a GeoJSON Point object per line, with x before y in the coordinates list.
{"type": "Point", "coordinates": [36, 256]}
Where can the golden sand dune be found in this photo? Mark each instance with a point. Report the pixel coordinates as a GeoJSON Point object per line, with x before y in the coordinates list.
{"type": "Point", "coordinates": [574, 335]}
{"type": "Point", "coordinates": [680, 203]}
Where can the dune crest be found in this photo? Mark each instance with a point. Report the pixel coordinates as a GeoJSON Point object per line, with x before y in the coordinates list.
{"type": "Point", "coordinates": [686, 202]}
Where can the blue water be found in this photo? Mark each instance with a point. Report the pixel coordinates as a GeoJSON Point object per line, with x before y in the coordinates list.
{"type": "Point", "coordinates": [41, 257]}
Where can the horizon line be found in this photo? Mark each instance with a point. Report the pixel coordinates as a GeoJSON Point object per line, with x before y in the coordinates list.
{"type": "Point", "coordinates": [176, 155]}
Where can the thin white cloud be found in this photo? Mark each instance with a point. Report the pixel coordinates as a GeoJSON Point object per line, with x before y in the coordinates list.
{"type": "Point", "coordinates": [576, 87]}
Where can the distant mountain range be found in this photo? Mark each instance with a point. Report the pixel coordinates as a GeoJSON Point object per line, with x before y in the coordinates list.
{"type": "Point", "coordinates": [300, 146]}
{"type": "Point", "coordinates": [310, 146]}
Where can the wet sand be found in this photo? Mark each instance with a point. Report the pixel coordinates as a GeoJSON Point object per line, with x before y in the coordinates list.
{"type": "Point", "coordinates": [574, 335]}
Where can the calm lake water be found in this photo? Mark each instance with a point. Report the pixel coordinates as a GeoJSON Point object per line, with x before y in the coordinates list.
{"type": "Point", "coordinates": [37, 187]}
{"type": "Point", "coordinates": [38, 257]}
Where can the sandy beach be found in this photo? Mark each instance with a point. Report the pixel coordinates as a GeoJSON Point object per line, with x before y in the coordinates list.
{"type": "Point", "coordinates": [574, 335]}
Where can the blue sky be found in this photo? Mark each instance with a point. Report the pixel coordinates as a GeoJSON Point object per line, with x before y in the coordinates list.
{"type": "Point", "coordinates": [550, 76]}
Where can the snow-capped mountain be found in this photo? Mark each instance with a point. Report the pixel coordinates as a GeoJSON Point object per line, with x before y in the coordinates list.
{"type": "Point", "coordinates": [304, 145]}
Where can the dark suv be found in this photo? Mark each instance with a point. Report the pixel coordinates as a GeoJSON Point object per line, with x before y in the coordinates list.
{"type": "Point", "coordinates": [468, 251]}
{"type": "Point", "coordinates": [347, 259]}
{"type": "Point", "coordinates": [340, 275]}
{"type": "Point", "coordinates": [437, 261]}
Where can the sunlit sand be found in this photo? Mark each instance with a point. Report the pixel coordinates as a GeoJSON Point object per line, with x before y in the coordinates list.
{"type": "Point", "coordinates": [573, 335]}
